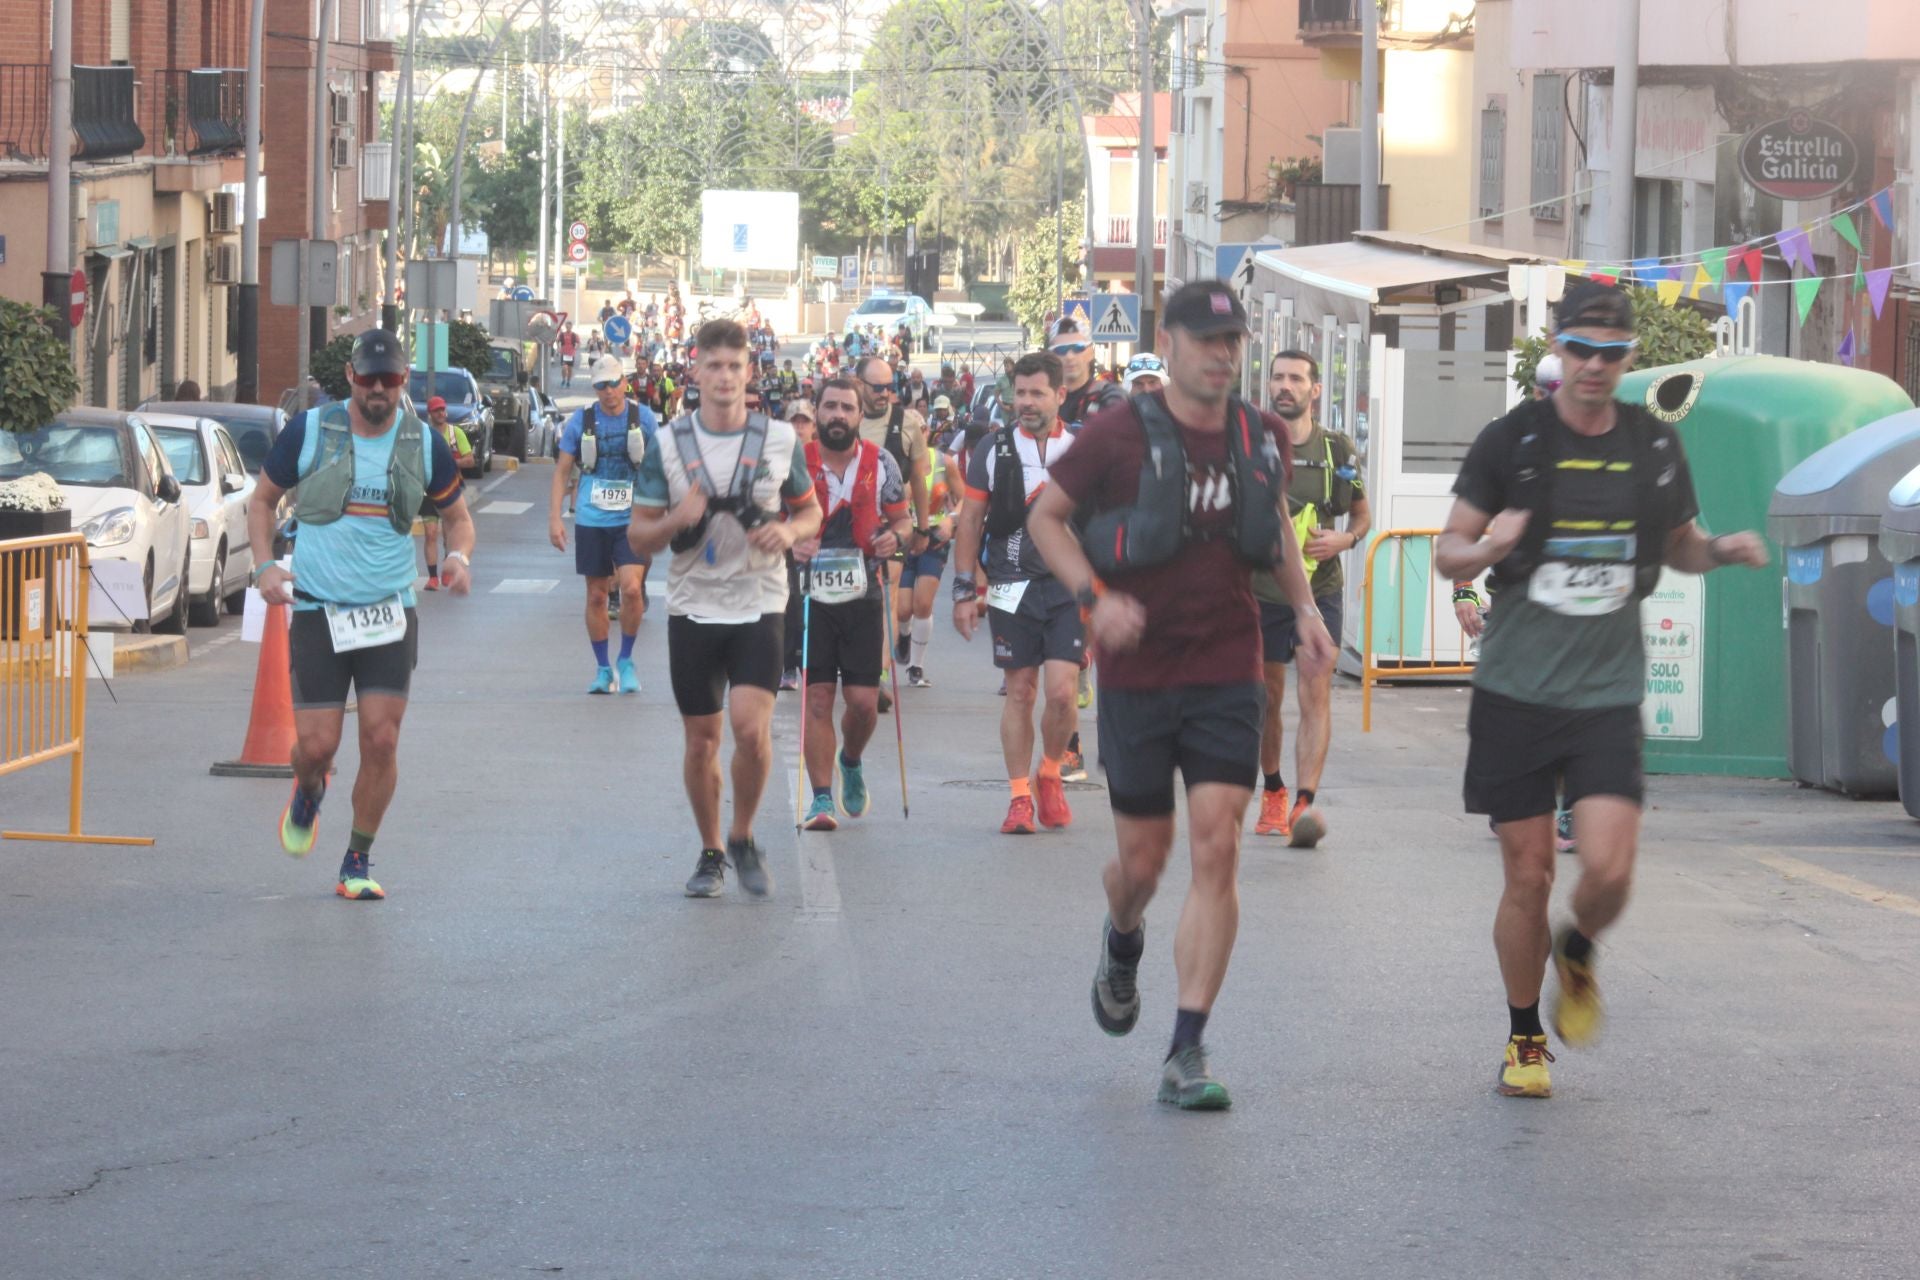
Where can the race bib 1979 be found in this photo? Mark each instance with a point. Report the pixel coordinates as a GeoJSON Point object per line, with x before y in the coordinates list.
{"type": "Point", "coordinates": [1585, 577]}
{"type": "Point", "coordinates": [612, 497]}
{"type": "Point", "coordinates": [366, 626]}
{"type": "Point", "coordinates": [837, 575]}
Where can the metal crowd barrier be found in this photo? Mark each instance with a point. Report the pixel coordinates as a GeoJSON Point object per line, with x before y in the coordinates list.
{"type": "Point", "coordinates": [1428, 660]}
{"type": "Point", "coordinates": [43, 668]}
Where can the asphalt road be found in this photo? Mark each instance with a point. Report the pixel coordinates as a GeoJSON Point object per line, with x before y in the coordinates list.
{"type": "Point", "coordinates": [538, 1057]}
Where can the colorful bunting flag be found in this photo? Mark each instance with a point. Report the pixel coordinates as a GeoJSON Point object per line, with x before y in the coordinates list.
{"type": "Point", "coordinates": [1714, 262]}
{"type": "Point", "coordinates": [1700, 281]}
{"type": "Point", "coordinates": [1877, 282]}
{"type": "Point", "coordinates": [1843, 226]}
{"type": "Point", "coordinates": [1574, 266]}
{"type": "Point", "coordinates": [1669, 291]}
{"type": "Point", "coordinates": [1859, 280]}
{"type": "Point", "coordinates": [1883, 207]}
{"type": "Point", "coordinates": [1805, 290]}
{"type": "Point", "coordinates": [1607, 277]}
{"type": "Point", "coordinates": [1797, 247]}
{"type": "Point", "coordinates": [1755, 263]}
{"type": "Point", "coordinates": [1732, 292]}
{"type": "Point", "coordinates": [1845, 349]}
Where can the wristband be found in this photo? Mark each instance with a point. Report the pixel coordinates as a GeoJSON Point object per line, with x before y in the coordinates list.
{"type": "Point", "coordinates": [964, 588]}
{"type": "Point", "coordinates": [1466, 595]}
{"type": "Point", "coordinates": [1087, 597]}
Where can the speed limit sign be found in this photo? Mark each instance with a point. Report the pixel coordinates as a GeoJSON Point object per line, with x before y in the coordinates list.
{"type": "Point", "coordinates": [578, 231]}
{"type": "Point", "coordinates": [577, 251]}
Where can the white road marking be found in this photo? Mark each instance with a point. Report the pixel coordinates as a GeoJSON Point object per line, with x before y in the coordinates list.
{"type": "Point", "coordinates": [819, 883]}
{"type": "Point", "coordinates": [504, 508]}
{"type": "Point", "coordinates": [1834, 881]}
{"type": "Point", "coordinates": [496, 482]}
{"type": "Point", "coordinates": [525, 586]}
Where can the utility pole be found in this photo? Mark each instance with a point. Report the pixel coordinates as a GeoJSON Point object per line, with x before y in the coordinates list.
{"type": "Point", "coordinates": [56, 282]}
{"type": "Point", "coordinates": [246, 385]}
{"type": "Point", "coordinates": [1626, 117]}
{"type": "Point", "coordinates": [403, 144]}
{"type": "Point", "coordinates": [1143, 223]}
{"type": "Point", "coordinates": [310, 329]}
{"type": "Point", "coordinates": [560, 194]}
{"type": "Point", "coordinates": [1369, 117]}
{"type": "Point", "coordinates": [1060, 176]}
{"type": "Point", "coordinates": [546, 142]}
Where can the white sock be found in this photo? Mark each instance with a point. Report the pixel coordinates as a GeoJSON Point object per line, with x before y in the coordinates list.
{"type": "Point", "coordinates": [922, 636]}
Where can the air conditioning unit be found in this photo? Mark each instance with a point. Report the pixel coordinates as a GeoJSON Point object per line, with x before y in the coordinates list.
{"type": "Point", "coordinates": [1196, 197]}
{"type": "Point", "coordinates": [222, 214]}
{"type": "Point", "coordinates": [342, 108]}
{"type": "Point", "coordinates": [343, 153]}
{"type": "Point", "coordinates": [225, 266]}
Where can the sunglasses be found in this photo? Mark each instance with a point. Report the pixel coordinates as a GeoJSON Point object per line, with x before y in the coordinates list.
{"type": "Point", "coordinates": [1610, 352]}
{"type": "Point", "coordinates": [879, 386]}
{"type": "Point", "coordinates": [602, 386]}
{"type": "Point", "coordinates": [391, 381]}
{"type": "Point", "coordinates": [1069, 348]}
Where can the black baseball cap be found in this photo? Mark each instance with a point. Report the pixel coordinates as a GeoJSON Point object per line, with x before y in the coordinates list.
{"type": "Point", "coordinates": [1592, 305]}
{"type": "Point", "coordinates": [1204, 308]}
{"type": "Point", "coordinates": [377, 351]}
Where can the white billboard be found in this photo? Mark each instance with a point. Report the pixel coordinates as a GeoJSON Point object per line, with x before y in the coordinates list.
{"type": "Point", "coordinates": [750, 230]}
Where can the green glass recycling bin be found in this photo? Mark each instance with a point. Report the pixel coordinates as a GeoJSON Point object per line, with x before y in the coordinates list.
{"type": "Point", "coordinates": [1716, 700]}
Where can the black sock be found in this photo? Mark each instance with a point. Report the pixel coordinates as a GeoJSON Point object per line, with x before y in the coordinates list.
{"type": "Point", "coordinates": [433, 569]}
{"type": "Point", "coordinates": [1525, 1022]}
{"type": "Point", "coordinates": [851, 764]}
{"type": "Point", "coordinates": [1577, 946]}
{"type": "Point", "coordinates": [1304, 795]}
{"type": "Point", "coordinates": [1275, 782]}
{"type": "Point", "coordinates": [1126, 946]}
{"type": "Point", "coordinates": [1073, 743]}
{"type": "Point", "coordinates": [1187, 1026]}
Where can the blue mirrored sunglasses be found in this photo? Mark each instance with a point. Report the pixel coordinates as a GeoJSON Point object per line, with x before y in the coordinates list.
{"type": "Point", "coordinates": [1069, 348]}
{"type": "Point", "coordinates": [1611, 352]}
{"type": "Point", "coordinates": [602, 386]}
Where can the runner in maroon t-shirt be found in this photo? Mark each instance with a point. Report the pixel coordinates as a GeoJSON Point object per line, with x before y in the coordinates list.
{"type": "Point", "coordinates": [1178, 648]}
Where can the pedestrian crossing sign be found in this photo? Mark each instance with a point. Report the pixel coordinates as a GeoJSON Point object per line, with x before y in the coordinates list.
{"type": "Point", "coordinates": [1075, 309]}
{"type": "Point", "coordinates": [1117, 317]}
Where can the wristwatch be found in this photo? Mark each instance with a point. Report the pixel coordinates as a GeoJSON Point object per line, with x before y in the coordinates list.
{"type": "Point", "coordinates": [1087, 596]}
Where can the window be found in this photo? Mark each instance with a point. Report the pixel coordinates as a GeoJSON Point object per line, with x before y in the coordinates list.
{"type": "Point", "coordinates": [120, 32]}
{"type": "Point", "coordinates": [1549, 128]}
{"type": "Point", "coordinates": [1656, 218]}
{"type": "Point", "coordinates": [1493, 159]}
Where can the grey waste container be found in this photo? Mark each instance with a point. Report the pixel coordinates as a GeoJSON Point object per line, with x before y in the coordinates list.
{"type": "Point", "coordinates": [1900, 544]}
{"type": "Point", "coordinates": [1826, 513]}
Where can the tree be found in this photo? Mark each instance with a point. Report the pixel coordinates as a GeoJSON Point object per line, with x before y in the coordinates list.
{"type": "Point", "coordinates": [1036, 289]}
{"type": "Point", "coordinates": [329, 367]}
{"type": "Point", "coordinates": [1668, 335]}
{"type": "Point", "coordinates": [37, 381]}
{"type": "Point", "coordinates": [469, 348]}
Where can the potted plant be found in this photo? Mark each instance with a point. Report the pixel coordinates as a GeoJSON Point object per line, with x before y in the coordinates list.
{"type": "Point", "coordinates": [37, 384]}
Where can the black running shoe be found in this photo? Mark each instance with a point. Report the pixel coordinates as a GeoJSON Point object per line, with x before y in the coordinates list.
{"type": "Point", "coordinates": [902, 653]}
{"type": "Point", "coordinates": [710, 877]}
{"type": "Point", "coordinates": [751, 866]}
{"type": "Point", "coordinates": [1116, 993]}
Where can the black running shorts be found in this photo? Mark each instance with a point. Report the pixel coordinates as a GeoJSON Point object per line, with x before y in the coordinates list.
{"type": "Point", "coordinates": [844, 643]}
{"type": "Point", "coordinates": [1279, 634]}
{"type": "Point", "coordinates": [1209, 732]}
{"type": "Point", "coordinates": [705, 659]}
{"type": "Point", "coordinates": [1519, 752]}
{"type": "Point", "coordinates": [322, 678]}
{"type": "Point", "coordinates": [1045, 628]}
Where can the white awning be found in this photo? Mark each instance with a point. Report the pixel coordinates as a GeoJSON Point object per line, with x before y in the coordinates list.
{"type": "Point", "coordinates": [1349, 279]}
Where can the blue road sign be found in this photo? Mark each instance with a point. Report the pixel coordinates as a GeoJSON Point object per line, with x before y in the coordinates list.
{"type": "Point", "coordinates": [1231, 262]}
{"type": "Point", "coordinates": [1116, 317]}
{"type": "Point", "coordinates": [740, 237]}
{"type": "Point", "coordinates": [618, 330]}
{"type": "Point", "coordinates": [522, 294]}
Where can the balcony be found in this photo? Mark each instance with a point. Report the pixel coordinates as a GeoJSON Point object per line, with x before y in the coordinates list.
{"type": "Point", "coordinates": [194, 113]}
{"type": "Point", "coordinates": [1329, 213]}
{"type": "Point", "coordinates": [1120, 231]}
{"type": "Point", "coordinates": [105, 124]}
{"type": "Point", "coordinates": [1337, 22]}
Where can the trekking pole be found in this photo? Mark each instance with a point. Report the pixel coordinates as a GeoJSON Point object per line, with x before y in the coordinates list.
{"type": "Point", "coordinates": [899, 733]}
{"type": "Point", "coordinates": [801, 789]}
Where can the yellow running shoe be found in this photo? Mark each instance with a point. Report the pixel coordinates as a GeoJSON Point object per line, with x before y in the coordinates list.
{"type": "Point", "coordinates": [299, 822]}
{"type": "Point", "coordinates": [1577, 1013]}
{"type": "Point", "coordinates": [355, 884]}
{"type": "Point", "coordinates": [1524, 1073]}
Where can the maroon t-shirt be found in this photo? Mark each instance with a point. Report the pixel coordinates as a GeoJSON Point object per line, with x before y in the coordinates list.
{"type": "Point", "coordinates": [1203, 626]}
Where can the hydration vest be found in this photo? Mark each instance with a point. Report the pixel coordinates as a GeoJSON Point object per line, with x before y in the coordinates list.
{"type": "Point", "coordinates": [1007, 504]}
{"type": "Point", "coordinates": [738, 499]}
{"type": "Point", "coordinates": [1155, 528]}
{"type": "Point", "coordinates": [636, 439]}
{"type": "Point", "coordinates": [323, 492]}
{"type": "Point", "coordinates": [866, 490]}
{"type": "Point", "coordinates": [896, 443]}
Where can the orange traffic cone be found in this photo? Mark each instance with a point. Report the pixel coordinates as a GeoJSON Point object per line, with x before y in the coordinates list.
{"type": "Point", "coordinates": [268, 752]}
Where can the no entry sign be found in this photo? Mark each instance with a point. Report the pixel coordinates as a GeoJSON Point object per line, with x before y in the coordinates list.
{"type": "Point", "coordinates": [77, 303]}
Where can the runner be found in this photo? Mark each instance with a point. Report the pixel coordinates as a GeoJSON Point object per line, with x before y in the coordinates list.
{"type": "Point", "coordinates": [1146, 374]}
{"type": "Point", "coordinates": [800, 415]}
{"type": "Point", "coordinates": [1034, 619]}
{"type": "Point", "coordinates": [858, 486]}
{"type": "Point", "coordinates": [462, 451]}
{"type": "Point", "coordinates": [607, 441]}
{"type": "Point", "coordinates": [902, 432]}
{"type": "Point", "coordinates": [1575, 502]}
{"type": "Point", "coordinates": [1086, 396]}
{"type": "Point", "coordinates": [920, 574]}
{"type": "Point", "coordinates": [569, 344]}
{"type": "Point", "coordinates": [1324, 485]}
{"type": "Point", "coordinates": [1179, 642]}
{"type": "Point", "coordinates": [359, 470]}
{"type": "Point", "coordinates": [712, 489]}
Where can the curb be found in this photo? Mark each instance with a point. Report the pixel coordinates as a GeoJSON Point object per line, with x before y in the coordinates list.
{"type": "Point", "coordinates": [136, 653]}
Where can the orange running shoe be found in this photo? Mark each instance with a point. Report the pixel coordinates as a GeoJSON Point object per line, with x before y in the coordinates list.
{"type": "Point", "coordinates": [1019, 817]}
{"type": "Point", "coordinates": [1309, 828]}
{"type": "Point", "coordinates": [1273, 820]}
{"type": "Point", "coordinates": [1052, 797]}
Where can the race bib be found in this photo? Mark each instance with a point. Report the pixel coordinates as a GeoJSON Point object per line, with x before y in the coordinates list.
{"type": "Point", "coordinates": [1005, 596]}
{"type": "Point", "coordinates": [367, 626]}
{"type": "Point", "coordinates": [837, 575]}
{"type": "Point", "coordinates": [1585, 577]}
{"type": "Point", "coordinates": [613, 497]}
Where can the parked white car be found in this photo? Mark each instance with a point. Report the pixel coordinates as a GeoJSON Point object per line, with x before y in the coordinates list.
{"type": "Point", "coordinates": [215, 487]}
{"type": "Point", "coordinates": [124, 497]}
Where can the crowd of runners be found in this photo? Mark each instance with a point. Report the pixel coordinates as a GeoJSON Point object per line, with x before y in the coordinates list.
{"type": "Point", "coordinates": [1147, 546]}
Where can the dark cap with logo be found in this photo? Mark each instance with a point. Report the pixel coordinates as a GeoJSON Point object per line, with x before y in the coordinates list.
{"type": "Point", "coordinates": [1204, 308]}
{"type": "Point", "coordinates": [1592, 305]}
{"type": "Point", "coordinates": [377, 351]}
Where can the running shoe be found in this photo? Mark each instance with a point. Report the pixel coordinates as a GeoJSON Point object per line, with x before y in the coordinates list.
{"type": "Point", "coordinates": [917, 677]}
{"type": "Point", "coordinates": [1003, 686]}
{"type": "Point", "coordinates": [1273, 820]}
{"type": "Point", "coordinates": [853, 790]}
{"type": "Point", "coordinates": [1563, 831]}
{"type": "Point", "coordinates": [1019, 817]}
{"type": "Point", "coordinates": [902, 654]}
{"type": "Point", "coordinates": [355, 883]}
{"type": "Point", "coordinates": [1073, 766]}
{"type": "Point", "coordinates": [1116, 990]}
{"type": "Point", "coordinates": [629, 678]}
{"type": "Point", "coordinates": [710, 876]}
{"type": "Point", "coordinates": [820, 816]}
{"type": "Point", "coordinates": [1085, 691]}
{"type": "Point", "coordinates": [751, 866]}
{"type": "Point", "coordinates": [1050, 798]}
{"type": "Point", "coordinates": [1524, 1072]}
{"type": "Point", "coordinates": [789, 679]}
{"type": "Point", "coordinates": [1307, 827]}
{"type": "Point", "coordinates": [1187, 1084]}
{"type": "Point", "coordinates": [433, 582]}
{"type": "Point", "coordinates": [602, 681]}
{"type": "Point", "coordinates": [1577, 1012]}
{"type": "Point", "coordinates": [298, 820]}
